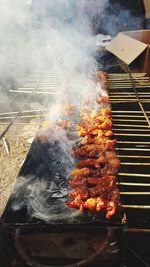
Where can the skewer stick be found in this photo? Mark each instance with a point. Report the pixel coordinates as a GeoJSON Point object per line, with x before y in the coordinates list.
{"type": "Point", "coordinates": [21, 123]}
{"type": "Point", "coordinates": [136, 163]}
{"type": "Point", "coordinates": [125, 79]}
{"type": "Point", "coordinates": [128, 87]}
{"type": "Point", "coordinates": [135, 193]}
{"type": "Point", "coordinates": [129, 101]}
{"type": "Point", "coordinates": [129, 116]}
{"type": "Point", "coordinates": [123, 101]}
{"type": "Point", "coordinates": [116, 97]}
{"type": "Point", "coordinates": [125, 74]}
{"type": "Point", "coordinates": [25, 116]}
{"type": "Point", "coordinates": [124, 97]}
{"type": "Point", "coordinates": [128, 120]}
{"type": "Point", "coordinates": [141, 135]}
{"type": "Point", "coordinates": [133, 142]}
{"type": "Point", "coordinates": [128, 93]}
{"type": "Point", "coordinates": [120, 95]}
{"type": "Point", "coordinates": [24, 111]}
{"type": "Point", "coordinates": [136, 206]}
{"type": "Point", "coordinates": [133, 184]}
{"type": "Point", "coordinates": [133, 156]}
{"type": "Point", "coordinates": [134, 174]}
{"type": "Point", "coordinates": [128, 111]}
{"type": "Point", "coordinates": [131, 130]}
{"type": "Point", "coordinates": [35, 93]}
{"type": "Point", "coordinates": [128, 84]}
{"type": "Point", "coordinates": [132, 149]}
{"type": "Point", "coordinates": [16, 116]}
{"type": "Point", "coordinates": [130, 125]}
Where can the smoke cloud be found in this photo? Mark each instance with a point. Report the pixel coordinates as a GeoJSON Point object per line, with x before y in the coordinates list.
{"type": "Point", "coordinates": [117, 18]}
{"type": "Point", "coordinates": [50, 35]}
{"type": "Point", "coordinates": [43, 34]}
{"type": "Point", "coordinates": [47, 35]}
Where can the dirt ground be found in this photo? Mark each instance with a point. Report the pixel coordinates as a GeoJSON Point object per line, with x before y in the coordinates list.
{"type": "Point", "coordinates": [13, 150]}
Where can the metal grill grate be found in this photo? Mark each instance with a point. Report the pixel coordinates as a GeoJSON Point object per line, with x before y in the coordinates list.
{"type": "Point", "coordinates": [130, 98]}
{"type": "Point", "coordinates": [41, 82]}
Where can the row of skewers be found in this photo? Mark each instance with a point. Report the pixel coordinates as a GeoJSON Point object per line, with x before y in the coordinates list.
{"type": "Point", "coordinates": [93, 180]}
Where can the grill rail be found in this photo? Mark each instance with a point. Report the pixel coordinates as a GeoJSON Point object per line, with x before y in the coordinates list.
{"type": "Point", "coordinates": [129, 98]}
{"type": "Point", "coordinates": [130, 126]}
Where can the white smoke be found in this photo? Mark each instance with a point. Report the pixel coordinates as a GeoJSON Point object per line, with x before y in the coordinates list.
{"type": "Point", "coordinates": [50, 35]}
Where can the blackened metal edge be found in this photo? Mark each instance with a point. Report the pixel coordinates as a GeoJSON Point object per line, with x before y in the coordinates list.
{"type": "Point", "coordinates": [21, 217]}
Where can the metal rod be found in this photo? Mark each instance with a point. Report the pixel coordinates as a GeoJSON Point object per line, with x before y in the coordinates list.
{"type": "Point", "coordinates": [137, 256]}
{"type": "Point", "coordinates": [134, 88]}
{"type": "Point", "coordinates": [136, 230]}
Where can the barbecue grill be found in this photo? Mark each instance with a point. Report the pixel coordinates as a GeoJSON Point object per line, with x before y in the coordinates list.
{"type": "Point", "coordinates": [129, 97]}
{"type": "Point", "coordinates": [130, 100]}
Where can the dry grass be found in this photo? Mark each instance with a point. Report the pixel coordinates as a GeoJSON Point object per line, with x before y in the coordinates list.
{"type": "Point", "coordinates": [19, 138]}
